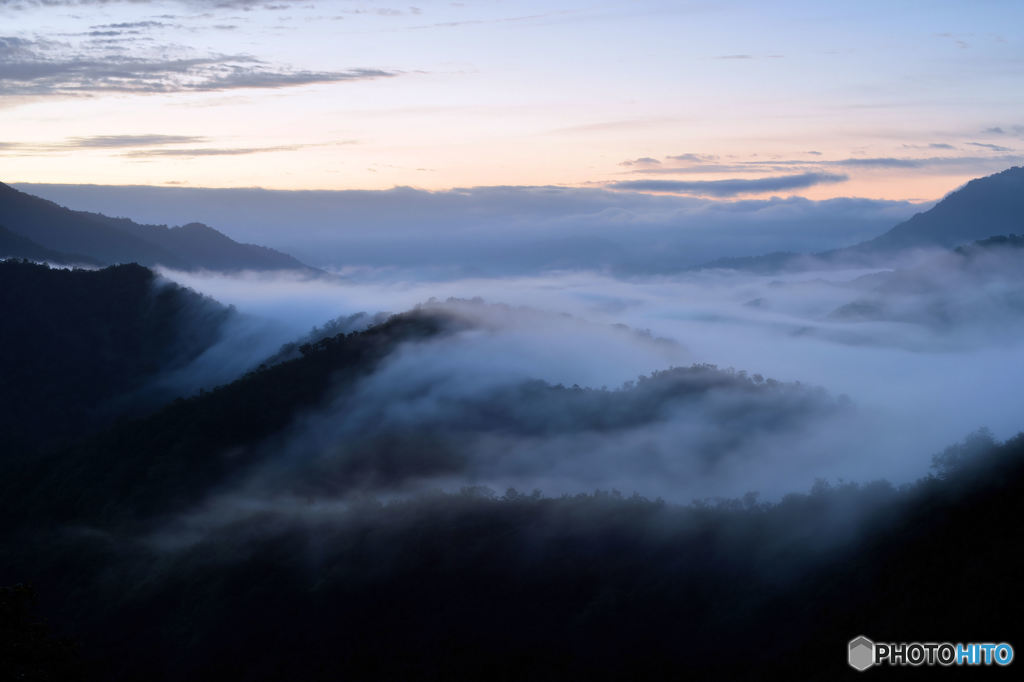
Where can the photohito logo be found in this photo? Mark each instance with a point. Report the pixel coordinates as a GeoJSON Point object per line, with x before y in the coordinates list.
{"type": "Point", "coordinates": [862, 653]}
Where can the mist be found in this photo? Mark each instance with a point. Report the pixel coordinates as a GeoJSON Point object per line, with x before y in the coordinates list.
{"type": "Point", "coordinates": [499, 231]}
{"type": "Point", "coordinates": [873, 391]}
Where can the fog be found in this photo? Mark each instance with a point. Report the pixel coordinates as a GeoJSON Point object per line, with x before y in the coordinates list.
{"type": "Point", "coordinates": [499, 231]}
{"type": "Point", "coordinates": [881, 387]}
{"type": "Point", "coordinates": [572, 449]}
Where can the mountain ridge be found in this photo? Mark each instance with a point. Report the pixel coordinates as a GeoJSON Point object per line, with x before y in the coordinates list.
{"type": "Point", "coordinates": [105, 240]}
{"type": "Point", "coordinates": [985, 207]}
{"type": "Point", "coordinates": [76, 341]}
{"type": "Point", "coordinates": [13, 245]}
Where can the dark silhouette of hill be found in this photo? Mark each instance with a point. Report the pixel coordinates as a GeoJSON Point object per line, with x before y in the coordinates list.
{"type": "Point", "coordinates": [984, 207]}
{"type": "Point", "coordinates": [999, 241]}
{"type": "Point", "coordinates": [347, 441]}
{"type": "Point", "coordinates": [194, 444]}
{"type": "Point", "coordinates": [15, 246]}
{"type": "Point", "coordinates": [480, 585]}
{"type": "Point", "coordinates": [152, 547]}
{"type": "Point", "coordinates": [119, 240]}
{"type": "Point", "coordinates": [73, 341]}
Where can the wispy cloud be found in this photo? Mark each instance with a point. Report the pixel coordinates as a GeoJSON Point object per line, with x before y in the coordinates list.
{"type": "Point", "coordinates": [879, 162]}
{"type": "Point", "coordinates": [744, 57]}
{"type": "Point", "coordinates": [614, 126]}
{"type": "Point", "coordinates": [731, 187]}
{"type": "Point", "coordinates": [1004, 130]}
{"type": "Point", "coordinates": [130, 25]}
{"type": "Point", "coordinates": [926, 162]}
{"type": "Point", "coordinates": [697, 163]}
{"type": "Point", "coordinates": [930, 145]}
{"type": "Point", "coordinates": [96, 142]}
{"type": "Point", "coordinates": [245, 5]}
{"type": "Point", "coordinates": [212, 151]}
{"type": "Point", "coordinates": [993, 147]}
{"type": "Point", "coordinates": [116, 141]}
{"type": "Point", "coordinates": [642, 161]}
{"type": "Point", "coordinates": [147, 146]}
{"type": "Point", "coordinates": [43, 67]}
{"type": "Point", "coordinates": [738, 167]}
{"type": "Point", "coordinates": [692, 158]}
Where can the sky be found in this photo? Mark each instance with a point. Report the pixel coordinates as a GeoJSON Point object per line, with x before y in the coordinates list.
{"type": "Point", "coordinates": [729, 99]}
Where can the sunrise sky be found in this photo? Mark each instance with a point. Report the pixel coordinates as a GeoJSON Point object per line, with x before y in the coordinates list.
{"type": "Point", "coordinates": [881, 99]}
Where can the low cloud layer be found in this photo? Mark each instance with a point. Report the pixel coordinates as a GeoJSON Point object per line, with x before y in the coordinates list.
{"type": "Point", "coordinates": [821, 168]}
{"type": "Point", "coordinates": [485, 231]}
{"type": "Point", "coordinates": [732, 187]}
{"type": "Point", "coordinates": [878, 355]}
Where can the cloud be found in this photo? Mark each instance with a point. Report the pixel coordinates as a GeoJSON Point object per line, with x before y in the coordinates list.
{"type": "Point", "coordinates": [613, 126]}
{"type": "Point", "coordinates": [245, 5]}
{"type": "Point", "coordinates": [213, 151]}
{"type": "Point", "coordinates": [739, 167]}
{"type": "Point", "coordinates": [928, 327]}
{"type": "Point", "coordinates": [707, 163]}
{"type": "Point", "coordinates": [972, 163]}
{"type": "Point", "coordinates": [642, 161]}
{"type": "Point", "coordinates": [880, 162]}
{"type": "Point", "coordinates": [694, 158]}
{"type": "Point", "coordinates": [147, 146]}
{"type": "Point", "coordinates": [117, 141]}
{"type": "Point", "coordinates": [993, 147]}
{"type": "Point", "coordinates": [128, 25]}
{"type": "Point", "coordinates": [43, 67]}
{"type": "Point", "coordinates": [732, 187]}
{"type": "Point", "coordinates": [498, 230]}
{"type": "Point", "coordinates": [97, 142]}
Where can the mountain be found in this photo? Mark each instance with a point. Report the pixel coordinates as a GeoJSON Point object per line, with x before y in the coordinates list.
{"type": "Point", "coordinates": [75, 341]}
{"type": "Point", "coordinates": [108, 240]}
{"type": "Point", "coordinates": [342, 424]}
{"type": "Point", "coordinates": [195, 444]}
{"type": "Point", "coordinates": [984, 207]}
{"type": "Point", "coordinates": [479, 585]}
{"type": "Point", "coordinates": [15, 246]}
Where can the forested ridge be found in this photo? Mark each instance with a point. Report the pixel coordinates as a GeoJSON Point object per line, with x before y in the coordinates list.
{"type": "Point", "coordinates": [305, 521]}
{"type": "Point", "coordinates": [76, 340]}
{"type": "Point", "coordinates": [483, 584]}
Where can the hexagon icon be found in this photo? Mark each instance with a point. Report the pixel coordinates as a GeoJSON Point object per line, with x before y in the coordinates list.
{"type": "Point", "coordinates": [861, 653]}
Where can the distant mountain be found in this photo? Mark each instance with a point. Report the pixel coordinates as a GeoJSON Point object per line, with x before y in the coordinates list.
{"type": "Point", "coordinates": [15, 246]}
{"type": "Point", "coordinates": [108, 240]}
{"type": "Point", "coordinates": [985, 207]}
{"type": "Point", "coordinates": [74, 342]}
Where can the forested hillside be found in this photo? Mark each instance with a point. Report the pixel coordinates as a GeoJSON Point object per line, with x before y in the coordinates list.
{"type": "Point", "coordinates": [75, 341]}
